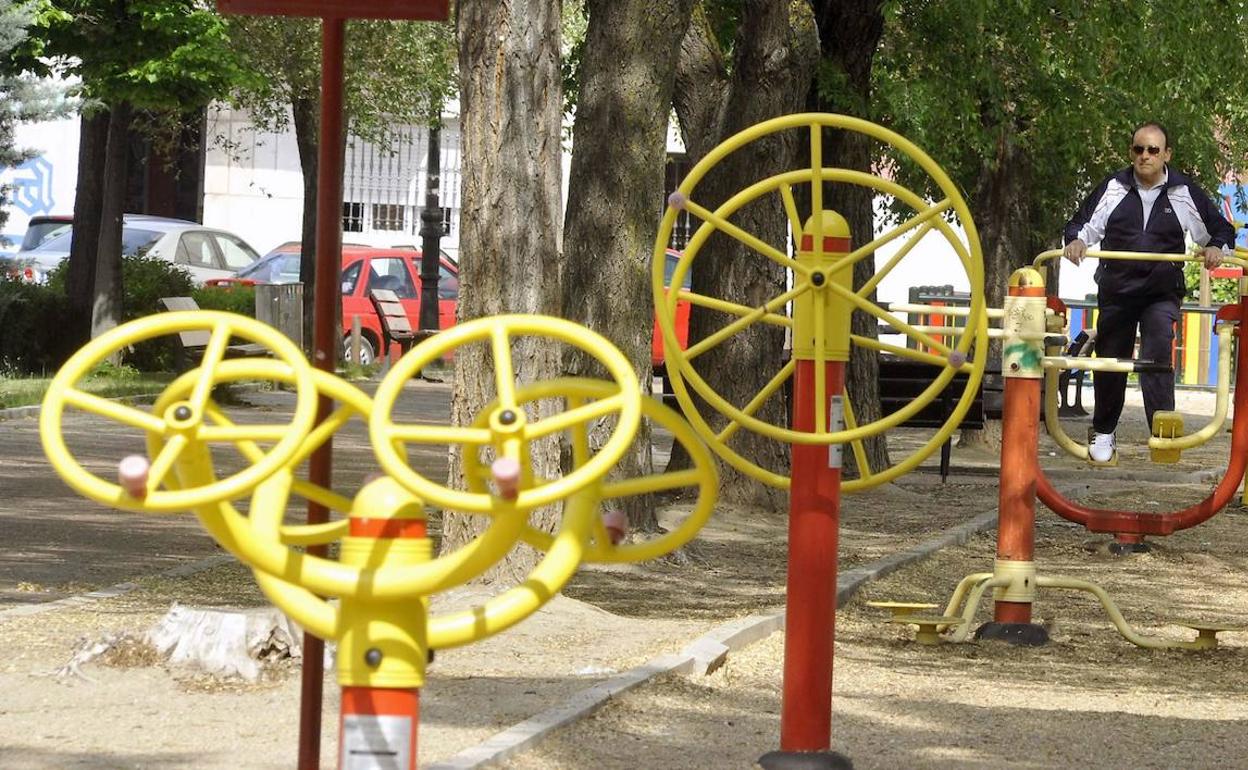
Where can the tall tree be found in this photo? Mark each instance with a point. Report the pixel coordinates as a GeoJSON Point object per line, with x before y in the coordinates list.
{"type": "Point", "coordinates": [849, 34]}
{"type": "Point", "coordinates": [157, 55]}
{"type": "Point", "coordinates": [1028, 104]}
{"type": "Point", "coordinates": [626, 79]}
{"type": "Point", "coordinates": [395, 73]}
{"type": "Point", "coordinates": [511, 112]}
{"type": "Point", "coordinates": [741, 64]}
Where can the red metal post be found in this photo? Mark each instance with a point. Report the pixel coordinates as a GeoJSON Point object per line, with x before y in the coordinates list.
{"type": "Point", "coordinates": [810, 617]}
{"type": "Point", "coordinates": [1016, 523]}
{"type": "Point", "coordinates": [324, 346]}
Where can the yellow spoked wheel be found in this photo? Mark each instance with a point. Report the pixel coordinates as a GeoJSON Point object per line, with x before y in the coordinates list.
{"type": "Point", "coordinates": [507, 429]}
{"type": "Point", "coordinates": [822, 293]}
{"type": "Point", "coordinates": [351, 403]}
{"type": "Point", "coordinates": [701, 475]}
{"type": "Point", "coordinates": [181, 426]}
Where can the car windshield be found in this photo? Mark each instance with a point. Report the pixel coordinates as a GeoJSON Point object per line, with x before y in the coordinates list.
{"type": "Point", "coordinates": [133, 241]}
{"type": "Point", "coordinates": [39, 232]}
{"type": "Point", "coordinates": [278, 268]}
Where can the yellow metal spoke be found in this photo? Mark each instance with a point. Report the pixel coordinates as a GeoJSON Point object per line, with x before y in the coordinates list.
{"type": "Point", "coordinates": [821, 374]}
{"type": "Point", "coordinates": [875, 310]}
{"type": "Point", "coordinates": [816, 176]}
{"type": "Point", "coordinates": [235, 433]}
{"type": "Point", "coordinates": [214, 354]}
{"type": "Point", "coordinates": [917, 220]}
{"type": "Point", "coordinates": [115, 411]}
{"type": "Point", "coordinates": [580, 435]}
{"type": "Point", "coordinates": [910, 353]}
{"type": "Point", "coordinates": [313, 534]}
{"type": "Point", "coordinates": [755, 243]}
{"type": "Point", "coordinates": [164, 461]}
{"type": "Point", "coordinates": [656, 482]}
{"type": "Point", "coordinates": [504, 377]}
{"type": "Point", "coordinates": [732, 308]}
{"type": "Point", "coordinates": [578, 415]}
{"type": "Point", "coordinates": [757, 314]}
{"type": "Point", "coordinates": [790, 208]}
{"type": "Point", "coordinates": [774, 384]}
{"type": "Point", "coordinates": [882, 273]}
{"type": "Point", "coordinates": [860, 452]}
{"type": "Point", "coordinates": [440, 434]}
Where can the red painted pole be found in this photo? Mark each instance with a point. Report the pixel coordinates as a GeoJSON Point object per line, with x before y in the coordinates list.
{"type": "Point", "coordinates": [1016, 523]}
{"type": "Point", "coordinates": [810, 618]}
{"type": "Point", "coordinates": [324, 347]}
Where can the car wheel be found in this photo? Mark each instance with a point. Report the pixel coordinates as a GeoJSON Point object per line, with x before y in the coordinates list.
{"type": "Point", "coordinates": [368, 354]}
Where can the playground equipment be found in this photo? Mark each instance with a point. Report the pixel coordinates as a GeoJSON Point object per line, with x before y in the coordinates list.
{"type": "Point", "coordinates": [386, 569]}
{"type": "Point", "coordinates": [823, 298]}
{"type": "Point", "coordinates": [1014, 578]}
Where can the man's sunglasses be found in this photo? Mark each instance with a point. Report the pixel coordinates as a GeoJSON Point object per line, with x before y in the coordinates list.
{"type": "Point", "coordinates": [1139, 149]}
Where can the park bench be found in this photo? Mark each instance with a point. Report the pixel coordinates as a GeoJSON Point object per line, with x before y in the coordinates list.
{"type": "Point", "coordinates": [396, 328]}
{"type": "Point", "coordinates": [901, 380]}
{"type": "Point", "coordinates": [191, 343]}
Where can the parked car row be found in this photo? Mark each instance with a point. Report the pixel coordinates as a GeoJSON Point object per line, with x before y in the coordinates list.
{"type": "Point", "coordinates": [216, 257]}
{"type": "Point", "coordinates": [204, 252]}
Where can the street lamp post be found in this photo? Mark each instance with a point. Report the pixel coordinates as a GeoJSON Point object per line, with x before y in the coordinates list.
{"type": "Point", "coordinates": [431, 235]}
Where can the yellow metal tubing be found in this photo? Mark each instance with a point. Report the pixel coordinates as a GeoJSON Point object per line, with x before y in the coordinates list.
{"type": "Point", "coordinates": [514, 605]}
{"type": "Point", "coordinates": [1053, 254]}
{"type": "Point", "coordinates": [1221, 404]}
{"type": "Point", "coordinates": [1115, 616]}
{"type": "Point", "coordinates": [387, 437]}
{"type": "Point", "coordinates": [62, 393]}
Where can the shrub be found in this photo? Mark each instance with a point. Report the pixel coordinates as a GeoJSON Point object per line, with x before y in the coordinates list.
{"type": "Point", "coordinates": [32, 319]}
{"type": "Point", "coordinates": [234, 299]}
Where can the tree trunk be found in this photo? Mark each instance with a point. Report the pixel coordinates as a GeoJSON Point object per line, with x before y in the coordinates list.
{"type": "Point", "coordinates": [849, 33]}
{"type": "Point", "coordinates": [306, 114]}
{"type": "Point", "coordinates": [615, 181]}
{"type": "Point", "coordinates": [80, 273]}
{"type": "Point", "coordinates": [774, 59]}
{"type": "Point", "coordinates": [106, 308]}
{"type": "Point", "coordinates": [1002, 205]}
{"type": "Point", "coordinates": [510, 92]}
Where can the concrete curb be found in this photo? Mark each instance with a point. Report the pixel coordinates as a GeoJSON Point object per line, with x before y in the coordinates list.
{"type": "Point", "coordinates": [25, 412]}
{"type": "Point", "coordinates": [703, 655]}
{"type": "Point", "coordinates": [26, 610]}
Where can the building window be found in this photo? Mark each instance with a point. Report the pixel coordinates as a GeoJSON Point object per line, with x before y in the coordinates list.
{"type": "Point", "coordinates": [352, 217]}
{"type": "Point", "coordinates": [388, 216]}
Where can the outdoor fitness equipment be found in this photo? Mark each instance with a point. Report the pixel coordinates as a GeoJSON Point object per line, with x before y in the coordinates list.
{"type": "Point", "coordinates": [1167, 441]}
{"type": "Point", "coordinates": [386, 568]}
{"type": "Point", "coordinates": [823, 298]}
{"type": "Point", "coordinates": [1014, 578]}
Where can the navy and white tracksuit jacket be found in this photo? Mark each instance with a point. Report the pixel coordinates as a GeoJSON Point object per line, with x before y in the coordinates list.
{"type": "Point", "coordinates": [1135, 293]}
{"type": "Point", "coordinates": [1114, 215]}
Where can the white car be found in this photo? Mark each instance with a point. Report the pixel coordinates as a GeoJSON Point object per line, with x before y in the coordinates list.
{"type": "Point", "coordinates": [204, 252]}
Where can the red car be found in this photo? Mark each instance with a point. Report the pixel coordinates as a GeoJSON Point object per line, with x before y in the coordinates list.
{"type": "Point", "coordinates": [365, 268]}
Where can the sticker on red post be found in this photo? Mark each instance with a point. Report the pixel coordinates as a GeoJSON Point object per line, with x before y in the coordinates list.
{"type": "Point", "coordinates": [376, 742]}
{"type": "Point", "coordinates": [836, 422]}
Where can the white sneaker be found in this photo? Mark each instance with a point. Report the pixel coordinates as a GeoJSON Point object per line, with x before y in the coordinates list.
{"type": "Point", "coordinates": [1101, 448]}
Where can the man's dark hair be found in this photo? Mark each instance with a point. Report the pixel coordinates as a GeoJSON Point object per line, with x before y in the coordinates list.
{"type": "Point", "coordinates": [1154, 124]}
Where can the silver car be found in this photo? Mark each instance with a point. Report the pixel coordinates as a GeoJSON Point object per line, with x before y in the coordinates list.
{"type": "Point", "coordinates": [204, 252]}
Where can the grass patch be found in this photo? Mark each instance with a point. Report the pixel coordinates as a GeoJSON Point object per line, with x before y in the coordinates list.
{"type": "Point", "coordinates": [26, 391]}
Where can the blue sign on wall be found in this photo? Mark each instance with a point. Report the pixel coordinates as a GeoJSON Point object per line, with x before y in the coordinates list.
{"type": "Point", "coordinates": [31, 186]}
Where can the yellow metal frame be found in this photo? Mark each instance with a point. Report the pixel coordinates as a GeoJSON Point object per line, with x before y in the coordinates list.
{"type": "Point", "coordinates": [381, 619]}
{"type": "Point", "coordinates": [684, 376]}
{"type": "Point", "coordinates": [181, 431]}
{"type": "Point", "coordinates": [508, 439]}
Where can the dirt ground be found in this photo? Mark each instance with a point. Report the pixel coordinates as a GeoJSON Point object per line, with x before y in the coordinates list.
{"type": "Point", "coordinates": [1089, 699]}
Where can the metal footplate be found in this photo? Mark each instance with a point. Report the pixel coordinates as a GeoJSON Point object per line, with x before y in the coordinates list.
{"type": "Point", "coordinates": [1166, 425]}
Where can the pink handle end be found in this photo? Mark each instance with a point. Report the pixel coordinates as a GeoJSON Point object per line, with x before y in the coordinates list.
{"type": "Point", "coordinates": [616, 523]}
{"type": "Point", "coordinates": [132, 475]}
{"type": "Point", "coordinates": [506, 473]}
{"type": "Point", "coordinates": [957, 358]}
{"type": "Point", "coordinates": [677, 200]}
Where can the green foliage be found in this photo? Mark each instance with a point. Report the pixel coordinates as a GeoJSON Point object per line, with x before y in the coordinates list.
{"type": "Point", "coordinates": [232, 299]}
{"type": "Point", "coordinates": [395, 71]}
{"type": "Point", "coordinates": [1065, 82]}
{"type": "Point", "coordinates": [154, 54]}
{"type": "Point", "coordinates": [1221, 290]}
{"type": "Point", "coordinates": [31, 327]}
